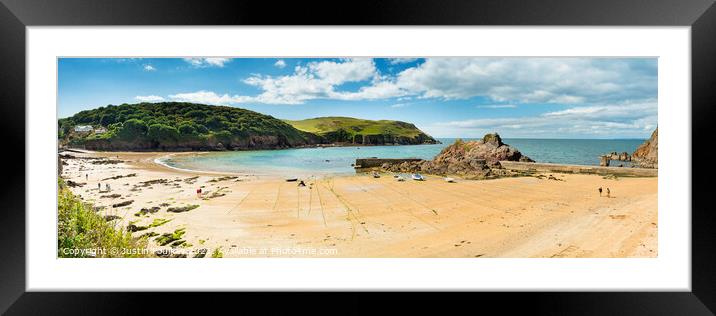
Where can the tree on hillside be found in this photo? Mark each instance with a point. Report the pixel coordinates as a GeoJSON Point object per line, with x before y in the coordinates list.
{"type": "Point", "coordinates": [163, 135]}
{"type": "Point", "coordinates": [133, 129]}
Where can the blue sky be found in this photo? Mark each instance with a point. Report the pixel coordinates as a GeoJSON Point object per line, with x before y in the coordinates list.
{"type": "Point", "coordinates": [445, 97]}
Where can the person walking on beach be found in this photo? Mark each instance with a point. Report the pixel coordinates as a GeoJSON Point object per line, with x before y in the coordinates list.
{"type": "Point", "coordinates": [107, 187]}
{"type": "Point", "coordinates": [86, 176]}
{"type": "Point", "coordinates": [99, 186]}
{"type": "Point", "coordinates": [608, 193]}
{"type": "Point", "coordinates": [198, 192]}
{"type": "Point", "coordinates": [600, 191]}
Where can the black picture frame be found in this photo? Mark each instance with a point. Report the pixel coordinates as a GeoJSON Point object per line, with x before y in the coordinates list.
{"type": "Point", "coordinates": [16, 15]}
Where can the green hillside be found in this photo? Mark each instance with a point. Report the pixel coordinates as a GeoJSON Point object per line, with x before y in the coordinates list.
{"type": "Point", "coordinates": [190, 126]}
{"type": "Point", "coordinates": [180, 126]}
{"type": "Point", "coordinates": [360, 131]}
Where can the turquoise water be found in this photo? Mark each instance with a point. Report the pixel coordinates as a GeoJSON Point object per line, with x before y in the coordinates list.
{"type": "Point", "coordinates": [338, 160]}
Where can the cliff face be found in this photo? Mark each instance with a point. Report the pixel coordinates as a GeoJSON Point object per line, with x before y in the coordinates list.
{"type": "Point", "coordinates": [208, 144]}
{"type": "Point", "coordinates": [646, 156]}
{"type": "Point", "coordinates": [380, 139]}
{"type": "Point", "coordinates": [473, 159]}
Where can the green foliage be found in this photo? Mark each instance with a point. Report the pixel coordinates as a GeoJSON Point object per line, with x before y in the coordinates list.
{"type": "Point", "coordinates": [81, 231]}
{"type": "Point", "coordinates": [223, 136]}
{"type": "Point", "coordinates": [107, 119]}
{"type": "Point", "coordinates": [201, 129]}
{"type": "Point", "coordinates": [187, 129]}
{"type": "Point", "coordinates": [132, 129]}
{"type": "Point", "coordinates": [353, 129]}
{"type": "Point", "coordinates": [169, 124]}
{"type": "Point", "coordinates": [163, 134]}
{"type": "Point", "coordinates": [217, 253]}
{"type": "Point", "coordinates": [168, 238]}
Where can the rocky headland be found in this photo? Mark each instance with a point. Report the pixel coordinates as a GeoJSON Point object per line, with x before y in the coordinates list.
{"type": "Point", "coordinates": [646, 156]}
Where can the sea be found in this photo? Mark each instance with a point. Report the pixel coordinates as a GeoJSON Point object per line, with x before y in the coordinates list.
{"type": "Point", "coordinates": [337, 160]}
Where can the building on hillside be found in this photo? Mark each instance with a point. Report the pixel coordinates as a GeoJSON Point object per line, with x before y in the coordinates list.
{"type": "Point", "coordinates": [100, 130]}
{"type": "Point", "coordinates": [83, 128]}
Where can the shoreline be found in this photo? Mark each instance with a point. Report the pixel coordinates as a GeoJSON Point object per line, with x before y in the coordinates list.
{"type": "Point", "coordinates": [180, 150]}
{"type": "Point", "coordinates": [512, 165]}
{"type": "Point", "coordinates": [360, 216]}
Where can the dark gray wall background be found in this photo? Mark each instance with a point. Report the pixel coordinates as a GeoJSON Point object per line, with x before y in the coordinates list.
{"type": "Point", "coordinates": [16, 14]}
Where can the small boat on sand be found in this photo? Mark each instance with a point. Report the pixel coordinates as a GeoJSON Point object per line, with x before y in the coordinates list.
{"type": "Point", "coordinates": [449, 180]}
{"type": "Point", "coordinates": [291, 179]}
{"type": "Point", "coordinates": [399, 178]}
{"type": "Point", "coordinates": [418, 177]}
{"type": "Point", "coordinates": [376, 175]}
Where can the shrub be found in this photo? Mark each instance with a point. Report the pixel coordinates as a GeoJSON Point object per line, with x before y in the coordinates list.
{"type": "Point", "coordinates": [132, 129]}
{"type": "Point", "coordinates": [80, 228]}
{"type": "Point", "coordinates": [163, 134]}
{"type": "Point", "coordinates": [187, 129]}
{"type": "Point", "coordinates": [223, 137]}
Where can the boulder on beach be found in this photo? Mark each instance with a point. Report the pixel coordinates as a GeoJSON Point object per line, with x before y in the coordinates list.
{"type": "Point", "coordinates": [646, 156]}
{"type": "Point", "coordinates": [490, 148]}
{"type": "Point", "coordinates": [471, 159]}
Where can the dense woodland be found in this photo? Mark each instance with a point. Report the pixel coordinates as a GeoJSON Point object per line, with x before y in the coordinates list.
{"type": "Point", "coordinates": [190, 126]}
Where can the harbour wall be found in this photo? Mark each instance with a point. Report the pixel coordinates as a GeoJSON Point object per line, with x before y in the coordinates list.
{"type": "Point", "coordinates": [377, 162]}
{"type": "Point", "coordinates": [560, 168]}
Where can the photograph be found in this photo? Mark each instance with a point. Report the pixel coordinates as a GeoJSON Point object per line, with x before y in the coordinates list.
{"type": "Point", "coordinates": [357, 157]}
{"type": "Point", "coordinates": [247, 153]}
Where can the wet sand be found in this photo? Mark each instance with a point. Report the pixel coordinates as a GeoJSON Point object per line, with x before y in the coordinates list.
{"type": "Point", "coordinates": [360, 216]}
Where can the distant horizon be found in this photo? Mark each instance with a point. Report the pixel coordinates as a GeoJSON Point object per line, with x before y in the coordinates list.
{"type": "Point", "coordinates": [437, 137]}
{"type": "Point", "coordinates": [527, 98]}
{"type": "Point", "coordinates": [533, 138]}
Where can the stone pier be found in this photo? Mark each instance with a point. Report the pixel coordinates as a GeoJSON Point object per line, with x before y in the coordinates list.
{"type": "Point", "coordinates": [560, 168]}
{"type": "Point", "coordinates": [374, 162]}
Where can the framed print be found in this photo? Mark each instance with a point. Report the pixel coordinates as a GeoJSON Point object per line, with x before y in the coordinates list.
{"type": "Point", "coordinates": [482, 146]}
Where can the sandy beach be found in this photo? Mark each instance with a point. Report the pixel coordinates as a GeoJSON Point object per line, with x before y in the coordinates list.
{"type": "Point", "coordinates": [361, 216]}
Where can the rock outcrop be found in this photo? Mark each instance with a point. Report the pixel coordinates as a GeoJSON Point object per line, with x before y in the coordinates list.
{"type": "Point", "coordinates": [474, 159]}
{"type": "Point", "coordinates": [646, 156]}
{"type": "Point", "coordinates": [605, 160]}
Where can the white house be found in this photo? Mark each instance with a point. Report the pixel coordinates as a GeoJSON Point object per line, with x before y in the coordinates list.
{"type": "Point", "coordinates": [83, 128]}
{"type": "Point", "coordinates": [100, 130]}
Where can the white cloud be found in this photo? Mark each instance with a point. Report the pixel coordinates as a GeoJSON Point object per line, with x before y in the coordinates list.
{"type": "Point", "coordinates": [396, 61]}
{"type": "Point", "coordinates": [319, 80]}
{"type": "Point", "coordinates": [349, 70]}
{"type": "Point", "coordinates": [280, 63]}
{"type": "Point", "coordinates": [208, 97]}
{"type": "Point", "coordinates": [497, 106]}
{"type": "Point", "coordinates": [628, 119]}
{"type": "Point", "coordinates": [600, 92]}
{"type": "Point", "coordinates": [149, 68]}
{"type": "Point", "coordinates": [530, 80]}
{"type": "Point", "coordinates": [149, 98]}
{"type": "Point", "coordinates": [523, 80]}
{"type": "Point", "coordinates": [201, 62]}
{"type": "Point", "coordinates": [400, 105]}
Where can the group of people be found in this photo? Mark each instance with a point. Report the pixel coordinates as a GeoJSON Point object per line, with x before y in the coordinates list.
{"type": "Point", "coordinates": [106, 187]}
{"type": "Point", "coordinates": [99, 184]}
{"type": "Point", "coordinates": [608, 192]}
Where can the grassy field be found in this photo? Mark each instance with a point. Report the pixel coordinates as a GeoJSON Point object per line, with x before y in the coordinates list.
{"type": "Point", "coordinates": [324, 125]}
